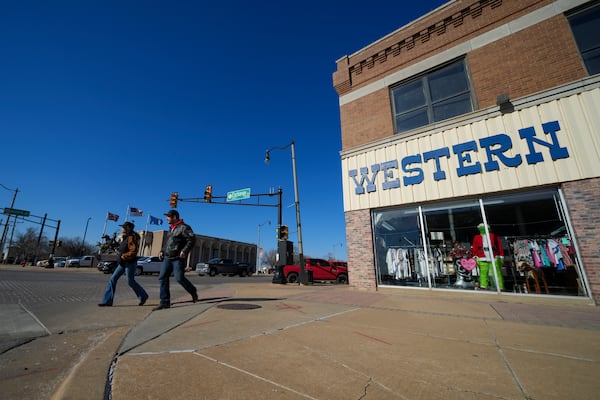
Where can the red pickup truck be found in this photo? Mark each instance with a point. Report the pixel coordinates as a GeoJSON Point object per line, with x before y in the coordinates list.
{"type": "Point", "coordinates": [322, 270]}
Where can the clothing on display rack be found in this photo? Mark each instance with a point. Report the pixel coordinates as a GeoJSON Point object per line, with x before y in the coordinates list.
{"type": "Point", "coordinates": [409, 262]}
{"type": "Point", "coordinates": [546, 252]}
{"type": "Point", "coordinates": [398, 263]}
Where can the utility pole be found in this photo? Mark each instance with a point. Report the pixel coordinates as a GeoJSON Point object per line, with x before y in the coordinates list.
{"type": "Point", "coordinates": [5, 231]}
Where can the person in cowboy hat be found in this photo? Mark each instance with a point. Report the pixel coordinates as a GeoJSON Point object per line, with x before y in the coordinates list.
{"type": "Point", "coordinates": [128, 249]}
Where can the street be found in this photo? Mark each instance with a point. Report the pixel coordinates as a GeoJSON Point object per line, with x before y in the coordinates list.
{"type": "Point", "coordinates": [51, 321]}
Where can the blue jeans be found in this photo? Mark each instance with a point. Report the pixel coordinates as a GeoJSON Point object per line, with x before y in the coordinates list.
{"type": "Point", "coordinates": [177, 267]}
{"type": "Point", "coordinates": [127, 268]}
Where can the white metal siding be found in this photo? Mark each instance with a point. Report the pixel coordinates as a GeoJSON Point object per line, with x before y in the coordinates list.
{"type": "Point", "coordinates": [579, 119]}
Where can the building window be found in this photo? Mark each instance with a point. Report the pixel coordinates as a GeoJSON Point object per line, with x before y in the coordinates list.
{"type": "Point", "coordinates": [435, 96]}
{"type": "Point", "coordinates": [585, 25]}
{"type": "Point", "coordinates": [440, 245]}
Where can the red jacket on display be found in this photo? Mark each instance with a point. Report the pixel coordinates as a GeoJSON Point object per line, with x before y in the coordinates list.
{"type": "Point", "coordinates": [480, 248]}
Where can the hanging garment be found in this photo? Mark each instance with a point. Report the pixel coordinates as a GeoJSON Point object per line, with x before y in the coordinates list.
{"type": "Point", "coordinates": [389, 261]}
{"type": "Point", "coordinates": [523, 255]}
{"type": "Point", "coordinates": [566, 257]}
{"type": "Point", "coordinates": [420, 265]}
{"type": "Point", "coordinates": [544, 254]}
{"type": "Point", "coordinates": [404, 265]}
{"type": "Point", "coordinates": [555, 253]}
{"type": "Point", "coordinates": [535, 253]}
{"type": "Point", "coordinates": [550, 252]}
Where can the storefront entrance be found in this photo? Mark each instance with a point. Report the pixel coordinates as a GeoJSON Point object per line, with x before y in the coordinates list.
{"type": "Point", "coordinates": [519, 243]}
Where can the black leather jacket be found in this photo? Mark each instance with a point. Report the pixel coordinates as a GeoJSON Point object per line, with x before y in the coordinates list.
{"type": "Point", "coordinates": [181, 238]}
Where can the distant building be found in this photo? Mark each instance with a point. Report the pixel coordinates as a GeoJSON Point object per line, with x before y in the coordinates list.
{"type": "Point", "coordinates": [206, 247]}
{"type": "Point", "coordinates": [479, 111]}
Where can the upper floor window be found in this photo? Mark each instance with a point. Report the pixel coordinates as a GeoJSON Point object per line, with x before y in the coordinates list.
{"type": "Point", "coordinates": [585, 25]}
{"type": "Point", "coordinates": [437, 95]}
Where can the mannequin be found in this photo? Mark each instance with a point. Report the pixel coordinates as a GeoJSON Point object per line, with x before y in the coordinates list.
{"type": "Point", "coordinates": [486, 258]}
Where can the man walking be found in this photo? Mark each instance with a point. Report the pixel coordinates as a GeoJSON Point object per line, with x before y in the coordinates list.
{"type": "Point", "coordinates": [174, 254]}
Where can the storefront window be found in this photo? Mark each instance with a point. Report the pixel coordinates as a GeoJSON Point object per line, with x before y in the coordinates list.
{"type": "Point", "coordinates": [445, 245]}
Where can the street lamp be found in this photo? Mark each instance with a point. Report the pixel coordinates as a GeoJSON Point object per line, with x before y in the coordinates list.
{"type": "Point", "coordinates": [258, 246]}
{"type": "Point", "coordinates": [84, 234]}
{"type": "Point", "coordinates": [297, 201]}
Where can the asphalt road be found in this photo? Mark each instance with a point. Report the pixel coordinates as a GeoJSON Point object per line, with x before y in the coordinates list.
{"type": "Point", "coordinates": [50, 319]}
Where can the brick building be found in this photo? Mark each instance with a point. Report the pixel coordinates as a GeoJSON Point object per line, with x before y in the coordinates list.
{"type": "Point", "coordinates": [471, 150]}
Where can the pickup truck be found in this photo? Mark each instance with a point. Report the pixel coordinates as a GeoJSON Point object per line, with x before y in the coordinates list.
{"type": "Point", "coordinates": [322, 270]}
{"type": "Point", "coordinates": [223, 266]}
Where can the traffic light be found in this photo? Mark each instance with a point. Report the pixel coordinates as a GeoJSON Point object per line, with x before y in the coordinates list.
{"type": "Point", "coordinates": [283, 232]}
{"type": "Point", "coordinates": [59, 243]}
{"type": "Point", "coordinates": [173, 200]}
{"type": "Point", "coordinates": [208, 193]}
{"type": "Point", "coordinates": [51, 243]}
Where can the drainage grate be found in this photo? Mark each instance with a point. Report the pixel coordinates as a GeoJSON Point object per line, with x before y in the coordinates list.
{"type": "Point", "coordinates": [238, 306]}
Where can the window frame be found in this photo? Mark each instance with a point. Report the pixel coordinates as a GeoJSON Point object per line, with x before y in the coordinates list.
{"type": "Point", "coordinates": [429, 104]}
{"type": "Point", "coordinates": [587, 61]}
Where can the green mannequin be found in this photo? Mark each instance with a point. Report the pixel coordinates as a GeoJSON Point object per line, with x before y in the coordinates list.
{"type": "Point", "coordinates": [481, 253]}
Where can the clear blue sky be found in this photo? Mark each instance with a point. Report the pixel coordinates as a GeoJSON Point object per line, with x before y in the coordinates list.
{"type": "Point", "coordinates": [105, 104]}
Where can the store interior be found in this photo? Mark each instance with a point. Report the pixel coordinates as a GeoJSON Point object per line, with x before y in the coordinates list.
{"type": "Point", "coordinates": [447, 245]}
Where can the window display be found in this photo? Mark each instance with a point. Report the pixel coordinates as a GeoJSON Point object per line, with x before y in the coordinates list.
{"type": "Point", "coordinates": [516, 243]}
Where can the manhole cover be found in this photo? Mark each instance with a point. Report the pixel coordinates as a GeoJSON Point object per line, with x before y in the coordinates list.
{"type": "Point", "coordinates": [238, 306]}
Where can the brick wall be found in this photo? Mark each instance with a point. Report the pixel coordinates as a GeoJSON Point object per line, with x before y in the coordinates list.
{"type": "Point", "coordinates": [529, 61]}
{"type": "Point", "coordinates": [583, 203]}
{"type": "Point", "coordinates": [359, 239]}
{"type": "Point", "coordinates": [370, 117]}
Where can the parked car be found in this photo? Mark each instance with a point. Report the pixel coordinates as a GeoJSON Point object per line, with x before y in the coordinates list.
{"type": "Point", "coordinates": [72, 262]}
{"type": "Point", "coordinates": [42, 263]}
{"type": "Point", "coordinates": [322, 270]}
{"type": "Point", "coordinates": [108, 266]}
{"type": "Point", "coordinates": [337, 263]}
{"type": "Point", "coordinates": [148, 265]}
{"type": "Point", "coordinates": [223, 266]}
{"type": "Point", "coordinates": [60, 261]}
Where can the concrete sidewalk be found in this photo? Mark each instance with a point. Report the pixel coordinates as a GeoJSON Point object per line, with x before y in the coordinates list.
{"type": "Point", "coordinates": [265, 341]}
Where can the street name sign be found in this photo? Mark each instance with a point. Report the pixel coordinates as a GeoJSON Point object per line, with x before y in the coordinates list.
{"type": "Point", "coordinates": [16, 211]}
{"type": "Point", "coordinates": [241, 194]}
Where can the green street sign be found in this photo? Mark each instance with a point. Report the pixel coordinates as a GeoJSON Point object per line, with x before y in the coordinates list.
{"type": "Point", "coordinates": [241, 194]}
{"type": "Point", "coordinates": [15, 211]}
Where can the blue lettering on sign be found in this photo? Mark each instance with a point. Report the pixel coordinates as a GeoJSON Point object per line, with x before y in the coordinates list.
{"type": "Point", "coordinates": [495, 148]}
{"type": "Point", "coordinates": [418, 174]}
{"type": "Point", "coordinates": [365, 177]}
{"type": "Point", "coordinates": [389, 181]}
{"type": "Point", "coordinates": [438, 175]}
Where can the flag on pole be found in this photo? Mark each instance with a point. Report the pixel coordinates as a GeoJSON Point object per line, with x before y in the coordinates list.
{"type": "Point", "coordinates": [155, 221]}
{"type": "Point", "coordinates": [135, 212]}
{"type": "Point", "coordinates": [112, 217]}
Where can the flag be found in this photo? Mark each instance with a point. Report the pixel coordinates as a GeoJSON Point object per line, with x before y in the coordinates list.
{"type": "Point", "coordinates": [155, 221]}
{"type": "Point", "coordinates": [112, 217]}
{"type": "Point", "coordinates": [135, 212]}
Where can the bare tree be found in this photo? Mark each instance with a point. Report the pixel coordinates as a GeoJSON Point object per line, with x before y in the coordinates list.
{"type": "Point", "coordinates": [72, 247]}
{"type": "Point", "coordinates": [26, 244]}
{"type": "Point", "coordinates": [270, 258]}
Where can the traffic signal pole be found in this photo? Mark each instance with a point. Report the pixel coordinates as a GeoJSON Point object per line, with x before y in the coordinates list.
{"type": "Point", "coordinates": [37, 246]}
{"type": "Point", "coordinates": [209, 198]}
